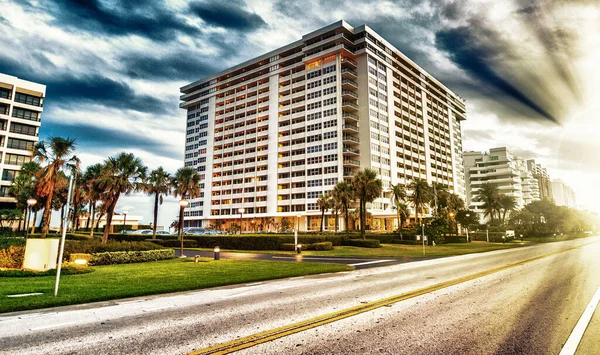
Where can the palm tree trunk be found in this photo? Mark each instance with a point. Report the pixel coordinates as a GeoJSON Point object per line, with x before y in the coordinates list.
{"type": "Point", "coordinates": [98, 221]}
{"type": "Point", "coordinates": [87, 223]}
{"type": "Point", "coordinates": [181, 208]}
{"type": "Point", "coordinates": [46, 215]}
{"type": "Point", "coordinates": [155, 215]}
{"type": "Point", "coordinates": [322, 219]}
{"type": "Point", "coordinates": [33, 223]}
{"type": "Point", "coordinates": [109, 214]}
{"type": "Point", "coordinates": [346, 219]}
{"type": "Point", "coordinates": [92, 211]}
{"type": "Point", "coordinates": [62, 217]}
{"type": "Point", "coordinates": [363, 218]}
{"type": "Point", "coordinates": [337, 221]}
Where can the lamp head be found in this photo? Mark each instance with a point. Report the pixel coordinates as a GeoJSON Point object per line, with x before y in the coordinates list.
{"type": "Point", "coordinates": [31, 201]}
{"type": "Point", "coordinates": [125, 211]}
{"type": "Point", "coordinates": [240, 210]}
{"type": "Point", "coordinates": [183, 203]}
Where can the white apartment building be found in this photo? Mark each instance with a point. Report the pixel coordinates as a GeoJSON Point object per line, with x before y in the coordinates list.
{"type": "Point", "coordinates": [21, 104]}
{"type": "Point", "coordinates": [270, 135]}
{"type": "Point", "coordinates": [541, 175]}
{"type": "Point", "coordinates": [503, 169]}
{"type": "Point", "coordinates": [563, 194]}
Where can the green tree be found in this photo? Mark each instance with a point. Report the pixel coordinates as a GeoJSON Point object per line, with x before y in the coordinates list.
{"type": "Point", "coordinates": [420, 197]}
{"type": "Point", "coordinates": [56, 153]}
{"type": "Point", "coordinates": [397, 197]}
{"type": "Point", "coordinates": [367, 188]}
{"type": "Point", "coordinates": [403, 213]}
{"type": "Point", "coordinates": [490, 196]}
{"type": "Point", "coordinates": [507, 204]}
{"type": "Point", "coordinates": [323, 204]}
{"type": "Point", "coordinates": [159, 185]}
{"type": "Point", "coordinates": [90, 181]}
{"type": "Point", "coordinates": [343, 195]}
{"type": "Point", "coordinates": [122, 174]}
{"type": "Point", "coordinates": [186, 185]}
{"type": "Point", "coordinates": [23, 187]}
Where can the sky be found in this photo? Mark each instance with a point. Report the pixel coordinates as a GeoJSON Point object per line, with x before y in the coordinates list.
{"type": "Point", "coordinates": [113, 68]}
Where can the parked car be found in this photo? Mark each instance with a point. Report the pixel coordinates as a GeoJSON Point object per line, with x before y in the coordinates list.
{"type": "Point", "coordinates": [194, 231]}
{"type": "Point", "coordinates": [143, 231]}
{"type": "Point", "coordinates": [162, 233]}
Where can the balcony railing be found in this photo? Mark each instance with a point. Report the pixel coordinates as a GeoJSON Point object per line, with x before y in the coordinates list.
{"type": "Point", "coordinates": [349, 82]}
{"type": "Point", "coordinates": [346, 137]}
{"type": "Point", "coordinates": [351, 104]}
{"type": "Point", "coordinates": [350, 93]}
{"type": "Point", "coordinates": [351, 162]}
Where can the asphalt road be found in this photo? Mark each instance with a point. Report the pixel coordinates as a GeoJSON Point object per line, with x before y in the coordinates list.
{"type": "Point", "coordinates": [357, 262]}
{"type": "Point", "coordinates": [531, 308]}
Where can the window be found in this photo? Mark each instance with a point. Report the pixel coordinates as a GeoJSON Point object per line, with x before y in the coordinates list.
{"type": "Point", "coordinates": [330, 181]}
{"type": "Point", "coordinates": [313, 74]}
{"type": "Point", "coordinates": [330, 146]}
{"type": "Point", "coordinates": [315, 138]}
{"type": "Point", "coordinates": [314, 160]}
{"type": "Point", "coordinates": [314, 183]}
{"type": "Point", "coordinates": [27, 99]}
{"type": "Point", "coordinates": [14, 159]}
{"type": "Point", "coordinates": [23, 129]}
{"type": "Point", "coordinates": [313, 84]}
{"type": "Point", "coordinates": [329, 80]}
{"type": "Point", "coordinates": [331, 169]}
{"type": "Point", "coordinates": [313, 116]}
{"type": "Point", "coordinates": [313, 194]}
{"type": "Point", "coordinates": [311, 172]}
{"type": "Point", "coordinates": [332, 123]}
{"type": "Point", "coordinates": [328, 135]}
{"type": "Point", "coordinates": [312, 206]}
{"type": "Point", "coordinates": [330, 90]}
{"type": "Point", "coordinates": [14, 143]}
{"type": "Point", "coordinates": [330, 101]}
{"type": "Point", "coordinates": [25, 114]}
{"type": "Point", "coordinates": [329, 69]}
{"type": "Point", "coordinates": [9, 175]}
{"type": "Point", "coordinates": [313, 149]}
{"type": "Point", "coordinates": [313, 127]}
{"type": "Point", "coordinates": [313, 105]}
{"type": "Point", "coordinates": [204, 125]}
{"type": "Point", "coordinates": [313, 95]}
{"type": "Point", "coordinates": [330, 112]}
{"type": "Point", "coordinates": [332, 157]}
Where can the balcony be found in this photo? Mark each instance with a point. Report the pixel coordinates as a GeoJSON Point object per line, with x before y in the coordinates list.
{"type": "Point", "coordinates": [348, 128]}
{"type": "Point", "coordinates": [349, 116]}
{"type": "Point", "coordinates": [350, 106]}
{"type": "Point", "coordinates": [349, 73]}
{"type": "Point", "coordinates": [347, 94]}
{"type": "Point", "coordinates": [352, 162]}
{"type": "Point", "coordinates": [348, 173]}
{"type": "Point", "coordinates": [350, 139]}
{"type": "Point", "coordinates": [351, 151]}
{"type": "Point", "coordinates": [349, 62]}
{"type": "Point", "coordinates": [349, 84]}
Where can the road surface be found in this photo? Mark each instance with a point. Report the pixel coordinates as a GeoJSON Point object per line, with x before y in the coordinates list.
{"type": "Point", "coordinates": [532, 307]}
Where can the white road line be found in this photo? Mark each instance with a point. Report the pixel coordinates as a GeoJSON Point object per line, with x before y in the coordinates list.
{"type": "Point", "coordinates": [52, 326]}
{"type": "Point", "coordinates": [157, 308]}
{"type": "Point", "coordinates": [573, 342]}
{"type": "Point", "coordinates": [311, 258]}
{"type": "Point", "coordinates": [370, 262]}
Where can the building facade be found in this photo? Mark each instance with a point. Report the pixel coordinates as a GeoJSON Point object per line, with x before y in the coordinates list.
{"type": "Point", "coordinates": [270, 135]}
{"type": "Point", "coordinates": [503, 169]}
{"type": "Point", "coordinates": [541, 175]}
{"type": "Point", "coordinates": [21, 105]}
{"type": "Point", "coordinates": [563, 194]}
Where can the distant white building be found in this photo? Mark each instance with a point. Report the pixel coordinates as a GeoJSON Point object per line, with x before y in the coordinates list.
{"type": "Point", "coordinates": [563, 194]}
{"type": "Point", "coordinates": [503, 169]}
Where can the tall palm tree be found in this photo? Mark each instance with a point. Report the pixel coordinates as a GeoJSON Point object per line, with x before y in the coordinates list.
{"type": "Point", "coordinates": [507, 203]}
{"type": "Point", "coordinates": [421, 195]}
{"type": "Point", "coordinates": [323, 204]}
{"type": "Point", "coordinates": [186, 184]}
{"type": "Point", "coordinates": [403, 213]}
{"type": "Point", "coordinates": [159, 185]}
{"type": "Point", "coordinates": [122, 174]}
{"type": "Point", "coordinates": [490, 196]}
{"type": "Point", "coordinates": [57, 153]}
{"type": "Point", "coordinates": [90, 181]}
{"type": "Point", "coordinates": [23, 187]}
{"type": "Point", "coordinates": [335, 207]}
{"type": "Point", "coordinates": [397, 197]}
{"type": "Point", "coordinates": [343, 194]}
{"type": "Point", "coordinates": [367, 188]}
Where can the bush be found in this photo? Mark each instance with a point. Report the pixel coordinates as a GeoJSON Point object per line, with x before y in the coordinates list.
{"type": "Point", "coordinates": [6, 242]}
{"type": "Point", "coordinates": [321, 246]}
{"type": "Point", "coordinates": [12, 257]}
{"type": "Point", "coordinates": [137, 237]}
{"type": "Point", "coordinates": [288, 246]}
{"type": "Point", "coordinates": [239, 242]}
{"type": "Point", "coordinates": [334, 239]}
{"type": "Point", "coordinates": [95, 246]}
{"type": "Point", "coordinates": [187, 243]}
{"type": "Point", "coordinates": [67, 269]}
{"type": "Point", "coordinates": [455, 239]}
{"type": "Point", "coordinates": [79, 256]}
{"type": "Point", "coordinates": [155, 241]}
{"type": "Point", "coordinates": [126, 257]}
{"type": "Point", "coordinates": [363, 243]}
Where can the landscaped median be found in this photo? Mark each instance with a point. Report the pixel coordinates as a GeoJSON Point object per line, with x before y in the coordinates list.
{"type": "Point", "coordinates": [129, 280]}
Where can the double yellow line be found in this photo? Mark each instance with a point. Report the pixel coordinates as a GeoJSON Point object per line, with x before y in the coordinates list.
{"type": "Point", "coordinates": [272, 334]}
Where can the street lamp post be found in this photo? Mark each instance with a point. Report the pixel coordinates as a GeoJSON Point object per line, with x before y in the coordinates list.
{"type": "Point", "coordinates": [30, 203]}
{"type": "Point", "coordinates": [125, 212]}
{"type": "Point", "coordinates": [468, 215]}
{"type": "Point", "coordinates": [296, 232]}
{"type": "Point", "coordinates": [241, 211]}
{"type": "Point", "coordinates": [451, 214]}
{"type": "Point", "coordinates": [182, 205]}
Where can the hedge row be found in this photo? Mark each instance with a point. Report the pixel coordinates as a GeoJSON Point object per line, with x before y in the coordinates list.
{"type": "Point", "coordinates": [126, 257]}
{"type": "Point", "coordinates": [315, 246]}
{"type": "Point", "coordinates": [363, 243]}
{"type": "Point", "coordinates": [95, 246]}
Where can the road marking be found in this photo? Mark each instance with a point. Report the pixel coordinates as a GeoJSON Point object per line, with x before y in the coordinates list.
{"type": "Point", "coordinates": [272, 334]}
{"type": "Point", "coordinates": [52, 326]}
{"type": "Point", "coordinates": [311, 258]}
{"type": "Point", "coordinates": [370, 262]}
{"type": "Point", "coordinates": [157, 308]}
{"type": "Point", "coordinates": [575, 337]}
{"type": "Point", "coordinates": [26, 294]}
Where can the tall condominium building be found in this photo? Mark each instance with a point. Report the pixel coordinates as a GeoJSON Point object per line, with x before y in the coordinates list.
{"type": "Point", "coordinates": [271, 134]}
{"type": "Point", "coordinates": [541, 175]}
{"type": "Point", "coordinates": [503, 169]}
{"type": "Point", "coordinates": [563, 194]}
{"type": "Point", "coordinates": [21, 104]}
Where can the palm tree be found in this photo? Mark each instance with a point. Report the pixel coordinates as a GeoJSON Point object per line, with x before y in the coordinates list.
{"type": "Point", "coordinates": [439, 197]}
{"type": "Point", "coordinates": [323, 204]}
{"type": "Point", "coordinates": [403, 213]}
{"type": "Point", "coordinates": [23, 187]}
{"type": "Point", "coordinates": [335, 208]}
{"type": "Point", "coordinates": [397, 196]}
{"type": "Point", "coordinates": [56, 153]}
{"type": "Point", "coordinates": [159, 185]}
{"type": "Point", "coordinates": [122, 174]}
{"type": "Point", "coordinates": [343, 195]}
{"type": "Point", "coordinates": [90, 180]}
{"type": "Point", "coordinates": [421, 196]}
{"type": "Point", "coordinates": [186, 184]}
{"type": "Point", "coordinates": [367, 188]}
{"type": "Point", "coordinates": [507, 203]}
{"type": "Point", "coordinates": [489, 195]}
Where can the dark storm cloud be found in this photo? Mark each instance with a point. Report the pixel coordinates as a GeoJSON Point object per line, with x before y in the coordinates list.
{"type": "Point", "coordinates": [179, 66]}
{"type": "Point", "coordinates": [93, 138]}
{"type": "Point", "coordinates": [477, 57]}
{"type": "Point", "coordinates": [146, 18]}
{"type": "Point", "coordinates": [227, 14]}
{"type": "Point", "coordinates": [65, 89]}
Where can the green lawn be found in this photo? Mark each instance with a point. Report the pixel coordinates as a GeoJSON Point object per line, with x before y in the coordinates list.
{"type": "Point", "coordinates": [129, 280]}
{"type": "Point", "coordinates": [396, 250]}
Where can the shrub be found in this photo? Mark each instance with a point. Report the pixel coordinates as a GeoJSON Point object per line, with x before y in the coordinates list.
{"type": "Point", "coordinates": [67, 269]}
{"type": "Point", "coordinates": [187, 243]}
{"type": "Point", "coordinates": [335, 239]}
{"type": "Point", "coordinates": [321, 246]}
{"type": "Point", "coordinates": [79, 256]}
{"type": "Point", "coordinates": [363, 243]}
{"type": "Point", "coordinates": [137, 237]}
{"type": "Point", "coordinates": [95, 246]}
{"type": "Point", "coordinates": [125, 257]}
{"type": "Point", "coordinates": [155, 241]}
{"type": "Point", "coordinates": [239, 242]}
{"type": "Point", "coordinates": [12, 257]}
{"type": "Point", "coordinates": [288, 246]}
{"type": "Point", "coordinates": [6, 242]}
{"type": "Point", "coordinates": [455, 239]}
